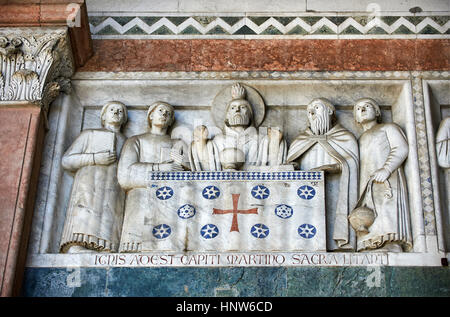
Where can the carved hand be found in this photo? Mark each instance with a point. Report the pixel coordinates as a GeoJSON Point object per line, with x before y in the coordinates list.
{"type": "Point", "coordinates": [104, 158]}
{"type": "Point", "coordinates": [381, 175]}
{"type": "Point", "coordinates": [330, 168]}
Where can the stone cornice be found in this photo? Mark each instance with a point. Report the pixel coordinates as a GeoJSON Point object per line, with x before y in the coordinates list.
{"type": "Point", "coordinates": [53, 13]}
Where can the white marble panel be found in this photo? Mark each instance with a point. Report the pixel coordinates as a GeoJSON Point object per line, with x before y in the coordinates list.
{"type": "Point", "coordinates": [200, 6]}
{"type": "Point", "coordinates": [234, 211]}
{"type": "Point", "coordinates": [380, 5]}
{"type": "Point", "coordinates": [437, 107]}
{"type": "Point", "coordinates": [263, 6]}
{"type": "Point", "coordinates": [192, 94]}
{"type": "Point", "coordinates": [235, 259]}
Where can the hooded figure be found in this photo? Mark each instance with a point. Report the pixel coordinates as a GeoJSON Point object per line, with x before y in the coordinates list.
{"type": "Point", "coordinates": [329, 147]}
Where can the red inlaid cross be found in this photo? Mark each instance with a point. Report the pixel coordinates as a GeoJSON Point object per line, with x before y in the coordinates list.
{"type": "Point", "coordinates": [235, 211]}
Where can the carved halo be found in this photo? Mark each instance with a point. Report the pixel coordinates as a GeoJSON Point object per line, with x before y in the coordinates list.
{"type": "Point", "coordinates": [222, 99]}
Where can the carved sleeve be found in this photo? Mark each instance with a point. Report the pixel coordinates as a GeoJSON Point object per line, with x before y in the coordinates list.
{"type": "Point", "coordinates": [131, 172]}
{"type": "Point", "coordinates": [76, 156]}
{"type": "Point", "coordinates": [443, 143]}
{"type": "Point", "coordinates": [398, 147]}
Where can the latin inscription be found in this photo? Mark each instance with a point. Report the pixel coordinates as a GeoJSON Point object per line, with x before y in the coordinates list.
{"type": "Point", "coordinates": [240, 259]}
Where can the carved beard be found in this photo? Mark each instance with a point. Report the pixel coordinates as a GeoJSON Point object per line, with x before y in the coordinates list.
{"type": "Point", "coordinates": [239, 119]}
{"type": "Point", "coordinates": [321, 124]}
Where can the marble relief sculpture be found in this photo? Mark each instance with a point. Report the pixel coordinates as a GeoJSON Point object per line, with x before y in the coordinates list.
{"type": "Point", "coordinates": [203, 153]}
{"type": "Point", "coordinates": [443, 143]}
{"type": "Point", "coordinates": [142, 154]}
{"type": "Point", "coordinates": [115, 207]}
{"type": "Point", "coordinates": [327, 146]}
{"type": "Point", "coordinates": [239, 146]}
{"type": "Point", "coordinates": [383, 150]}
{"type": "Point", "coordinates": [95, 211]}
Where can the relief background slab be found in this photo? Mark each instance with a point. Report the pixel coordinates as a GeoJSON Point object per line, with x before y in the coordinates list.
{"type": "Point", "coordinates": [285, 94]}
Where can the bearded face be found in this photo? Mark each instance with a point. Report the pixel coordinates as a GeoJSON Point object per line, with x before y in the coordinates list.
{"type": "Point", "coordinates": [238, 113]}
{"type": "Point", "coordinates": [320, 118]}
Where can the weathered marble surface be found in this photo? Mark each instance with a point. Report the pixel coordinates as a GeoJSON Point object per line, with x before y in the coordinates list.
{"type": "Point", "coordinates": [239, 110]}
{"type": "Point", "coordinates": [263, 6]}
{"type": "Point", "coordinates": [242, 282]}
{"type": "Point", "coordinates": [95, 210]}
{"type": "Point", "coordinates": [327, 146]}
{"type": "Point", "coordinates": [237, 259]}
{"type": "Point", "coordinates": [436, 96]}
{"type": "Point", "coordinates": [286, 97]}
{"type": "Point", "coordinates": [383, 151]}
{"type": "Point", "coordinates": [224, 211]}
{"type": "Point", "coordinates": [443, 143]}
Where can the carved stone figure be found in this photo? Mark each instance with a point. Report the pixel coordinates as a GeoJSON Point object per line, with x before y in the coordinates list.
{"type": "Point", "coordinates": [239, 132]}
{"type": "Point", "coordinates": [383, 150]}
{"type": "Point", "coordinates": [443, 143]}
{"type": "Point", "coordinates": [142, 154]}
{"type": "Point", "coordinates": [95, 211]}
{"type": "Point", "coordinates": [204, 155]}
{"type": "Point", "coordinates": [239, 146]}
{"type": "Point", "coordinates": [272, 149]}
{"type": "Point", "coordinates": [325, 145]}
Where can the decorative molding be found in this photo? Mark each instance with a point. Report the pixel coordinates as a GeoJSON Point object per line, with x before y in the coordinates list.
{"type": "Point", "coordinates": [237, 175]}
{"type": "Point", "coordinates": [424, 158]}
{"type": "Point", "coordinates": [234, 259]}
{"type": "Point", "coordinates": [248, 75]}
{"type": "Point", "coordinates": [34, 65]}
{"type": "Point", "coordinates": [311, 26]}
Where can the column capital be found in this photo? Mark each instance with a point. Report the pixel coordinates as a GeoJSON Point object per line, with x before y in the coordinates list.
{"type": "Point", "coordinates": [35, 64]}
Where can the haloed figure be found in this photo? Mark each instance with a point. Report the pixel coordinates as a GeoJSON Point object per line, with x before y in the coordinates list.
{"type": "Point", "coordinates": [239, 139]}
{"type": "Point", "coordinates": [383, 150]}
{"type": "Point", "coordinates": [239, 146]}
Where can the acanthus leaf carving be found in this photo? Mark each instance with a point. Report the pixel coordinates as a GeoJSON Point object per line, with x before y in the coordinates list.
{"type": "Point", "coordinates": [24, 85]}
{"type": "Point", "coordinates": [8, 47]}
{"type": "Point", "coordinates": [33, 65]}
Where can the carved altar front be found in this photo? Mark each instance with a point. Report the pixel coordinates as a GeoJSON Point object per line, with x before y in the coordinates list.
{"type": "Point", "coordinates": [233, 211]}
